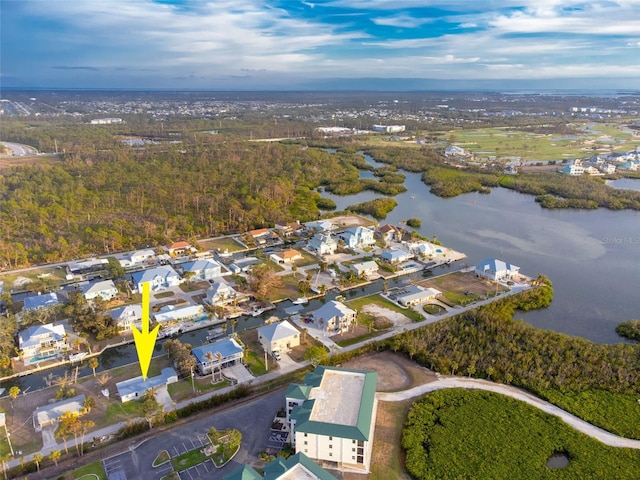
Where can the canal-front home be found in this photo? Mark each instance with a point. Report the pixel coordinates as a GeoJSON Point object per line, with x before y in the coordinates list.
{"type": "Point", "coordinates": [41, 342]}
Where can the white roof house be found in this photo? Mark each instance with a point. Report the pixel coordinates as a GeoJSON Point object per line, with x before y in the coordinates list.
{"type": "Point", "coordinates": [415, 294]}
{"type": "Point", "coordinates": [136, 258]}
{"type": "Point", "coordinates": [365, 269]}
{"type": "Point", "coordinates": [135, 388]}
{"type": "Point", "coordinates": [358, 237]}
{"type": "Point", "coordinates": [224, 353]}
{"type": "Point", "coordinates": [334, 316]}
{"type": "Point", "coordinates": [496, 270]}
{"type": "Point", "coordinates": [396, 255]}
{"type": "Point", "coordinates": [105, 289]}
{"type": "Point", "coordinates": [280, 336]}
{"type": "Point", "coordinates": [49, 414]}
{"type": "Point", "coordinates": [221, 293]}
{"type": "Point", "coordinates": [171, 313]}
{"type": "Point", "coordinates": [42, 341]}
{"type": "Point", "coordinates": [160, 278]}
{"type": "Point", "coordinates": [204, 269]}
{"type": "Point", "coordinates": [453, 150]}
{"type": "Point", "coordinates": [126, 316]}
{"type": "Point", "coordinates": [322, 244]}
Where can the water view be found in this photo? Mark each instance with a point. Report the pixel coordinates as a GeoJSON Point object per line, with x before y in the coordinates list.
{"type": "Point", "coordinates": [592, 256]}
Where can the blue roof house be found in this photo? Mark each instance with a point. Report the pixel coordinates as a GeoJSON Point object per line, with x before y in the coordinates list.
{"type": "Point", "coordinates": [224, 353]}
{"type": "Point", "coordinates": [160, 278]}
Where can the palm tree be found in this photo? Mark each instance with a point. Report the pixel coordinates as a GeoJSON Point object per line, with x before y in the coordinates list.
{"type": "Point", "coordinates": [54, 456]}
{"type": "Point", "coordinates": [13, 393]}
{"type": "Point", "coordinates": [219, 359]}
{"type": "Point", "coordinates": [209, 357]}
{"type": "Point", "coordinates": [37, 458]}
{"type": "Point", "coordinates": [93, 364]}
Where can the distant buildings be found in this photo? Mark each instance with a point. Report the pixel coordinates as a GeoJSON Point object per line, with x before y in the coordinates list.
{"type": "Point", "coordinates": [105, 121]}
{"type": "Point", "coordinates": [388, 128]}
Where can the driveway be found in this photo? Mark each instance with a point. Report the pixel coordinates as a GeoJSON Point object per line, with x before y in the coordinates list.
{"type": "Point", "coordinates": [239, 372]}
{"type": "Point", "coordinates": [48, 437]}
{"type": "Point", "coordinates": [163, 398]}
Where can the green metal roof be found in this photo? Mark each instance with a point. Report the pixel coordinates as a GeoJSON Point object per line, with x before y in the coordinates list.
{"type": "Point", "coordinates": [280, 466]}
{"type": "Point", "coordinates": [245, 472]}
{"type": "Point", "coordinates": [360, 431]}
{"type": "Point", "coordinates": [299, 391]}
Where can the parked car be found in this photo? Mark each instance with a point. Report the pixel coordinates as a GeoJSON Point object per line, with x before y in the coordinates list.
{"type": "Point", "coordinates": [276, 355]}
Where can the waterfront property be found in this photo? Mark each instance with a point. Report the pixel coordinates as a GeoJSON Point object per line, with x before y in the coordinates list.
{"type": "Point", "coordinates": [44, 300]}
{"type": "Point", "coordinates": [221, 293]}
{"type": "Point", "coordinates": [296, 467]}
{"type": "Point", "coordinates": [41, 342]}
{"type": "Point", "coordinates": [204, 269]}
{"type": "Point", "coordinates": [287, 257]}
{"type": "Point", "coordinates": [358, 237]}
{"type": "Point", "coordinates": [365, 269]}
{"type": "Point", "coordinates": [396, 256]}
{"type": "Point", "coordinates": [220, 354]}
{"type": "Point", "coordinates": [280, 337]}
{"type": "Point", "coordinates": [159, 278]}
{"type": "Point", "coordinates": [172, 314]}
{"type": "Point", "coordinates": [415, 295]}
{"type": "Point", "coordinates": [135, 388]}
{"type": "Point", "coordinates": [49, 414]}
{"type": "Point", "coordinates": [334, 316]}
{"type": "Point", "coordinates": [105, 289]}
{"type": "Point", "coordinates": [322, 244]}
{"type": "Point", "coordinates": [126, 316]}
{"type": "Point", "coordinates": [331, 417]}
{"type": "Point", "coordinates": [496, 270]}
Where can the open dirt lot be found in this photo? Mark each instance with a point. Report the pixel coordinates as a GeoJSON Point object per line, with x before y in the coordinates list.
{"type": "Point", "coordinates": [461, 282]}
{"type": "Point", "coordinates": [348, 221]}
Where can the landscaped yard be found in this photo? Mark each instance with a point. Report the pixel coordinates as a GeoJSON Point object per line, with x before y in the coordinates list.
{"type": "Point", "coordinates": [221, 245]}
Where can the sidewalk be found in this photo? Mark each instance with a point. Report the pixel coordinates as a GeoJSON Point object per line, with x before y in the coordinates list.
{"type": "Point", "coordinates": [287, 367]}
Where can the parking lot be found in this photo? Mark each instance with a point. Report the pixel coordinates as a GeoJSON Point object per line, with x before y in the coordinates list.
{"type": "Point", "coordinates": [115, 468]}
{"type": "Point", "coordinates": [199, 441]}
{"type": "Point", "coordinates": [202, 470]}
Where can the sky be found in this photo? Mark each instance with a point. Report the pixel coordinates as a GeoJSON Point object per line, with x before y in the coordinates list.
{"type": "Point", "coordinates": [319, 44]}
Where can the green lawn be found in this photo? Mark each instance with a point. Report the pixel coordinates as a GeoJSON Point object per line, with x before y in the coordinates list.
{"type": "Point", "coordinates": [182, 390]}
{"type": "Point", "coordinates": [288, 289]}
{"type": "Point", "coordinates": [358, 303]}
{"type": "Point", "coordinates": [87, 472]}
{"type": "Point", "coordinates": [163, 295]}
{"type": "Point", "coordinates": [222, 244]}
{"type": "Point", "coordinates": [188, 460]}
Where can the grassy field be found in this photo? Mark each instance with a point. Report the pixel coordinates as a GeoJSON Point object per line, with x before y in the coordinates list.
{"type": "Point", "coordinates": [388, 455]}
{"type": "Point", "coordinates": [358, 303]}
{"type": "Point", "coordinates": [504, 141]}
{"type": "Point", "coordinates": [221, 245]}
{"type": "Point", "coordinates": [288, 289]}
{"type": "Point", "coordinates": [20, 281]}
{"type": "Point", "coordinates": [89, 472]}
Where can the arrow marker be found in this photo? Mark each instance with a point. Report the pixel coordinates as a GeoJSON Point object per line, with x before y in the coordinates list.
{"type": "Point", "coordinates": [145, 339]}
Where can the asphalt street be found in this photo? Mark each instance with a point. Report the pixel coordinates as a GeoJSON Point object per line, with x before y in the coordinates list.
{"type": "Point", "coordinates": [252, 419]}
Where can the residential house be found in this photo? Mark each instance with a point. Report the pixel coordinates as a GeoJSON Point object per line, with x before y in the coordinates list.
{"type": "Point", "coordinates": [125, 317]}
{"type": "Point", "coordinates": [43, 300]}
{"type": "Point", "coordinates": [288, 256]}
{"type": "Point", "coordinates": [171, 314]}
{"type": "Point", "coordinates": [261, 235]}
{"type": "Point", "coordinates": [629, 165]}
{"type": "Point", "coordinates": [415, 295]}
{"type": "Point", "coordinates": [322, 244]}
{"type": "Point", "coordinates": [390, 233]}
{"type": "Point", "coordinates": [177, 249]}
{"type": "Point", "coordinates": [575, 168]}
{"type": "Point", "coordinates": [396, 256]}
{"type": "Point", "coordinates": [203, 269]}
{"type": "Point", "coordinates": [224, 353]}
{"type": "Point", "coordinates": [423, 249]}
{"type": "Point", "coordinates": [280, 337]}
{"type": "Point", "coordinates": [332, 417]}
{"type": "Point", "coordinates": [358, 237]}
{"type": "Point", "coordinates": [48, 415]}
{"type": "Point", "coordinates": [295, 467]}
{"type": "Point", "coordinates": [221, 293]}
{"type": "Point", "coordinates": [105, 289]}
{"type": "Point", "coordinates": [136, 388]}
{"type": "Point", "coordinates": [138, 258]}
{"type": "Point", "coordinates": [454, 151]}
{"type": "Point", "coordinates": [243, 265]}
{"type": "Point", "coordinates": [334, 316]}
{"type": "Point", "coordinates": [42, 341]}
{"type": "Point", "coordinates": [286, 229]}
{"type": "Point", "coordinates": [608, 168]}
{"type": "Point", "coordinates": [496, 270]}
{"type": "Point", "coordinates": [324, 226]}
{"type": "Point", "coordinates": [160, 278]}
{"type": "Point", "coordinates": [88, 265]}
{"type": "Point", "coordinates": [365, 269]}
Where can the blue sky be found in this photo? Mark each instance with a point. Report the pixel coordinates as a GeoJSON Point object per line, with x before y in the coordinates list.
{"type": "Point", "coordinates": [289, 44]}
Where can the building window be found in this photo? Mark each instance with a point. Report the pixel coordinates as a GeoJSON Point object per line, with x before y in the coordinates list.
{"type": "Point", "coordinates": [330, 454]}
{"type": "Point", "coordinates": [353, 441]}
{"type": "Point", "coordinates": [330, 446]}
{"type": "Point", "coordinates": [330, 438]}
{"type": "Point", "coordinates": [306, 443]}
{"type": "Point", "coordinates": [360, 459]}
{"type": "Point", "coordinates": [353, 458]}
{"type": "Point", "coordinates": [353, 449]}
{"type": "Point", "coordinates": [305, 435]}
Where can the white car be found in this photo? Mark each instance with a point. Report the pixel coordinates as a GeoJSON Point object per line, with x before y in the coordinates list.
{"type": "Point", "coordinates": [276, 355]}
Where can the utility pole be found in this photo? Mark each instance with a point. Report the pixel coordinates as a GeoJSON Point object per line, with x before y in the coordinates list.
{"type": "Point", "coordinates": [266, 360]}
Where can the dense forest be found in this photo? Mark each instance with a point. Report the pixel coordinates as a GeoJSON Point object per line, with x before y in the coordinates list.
{"type": "Point", "coordinates": [103, 201]}
{"type": "Point", "coordinates": [488, 343]}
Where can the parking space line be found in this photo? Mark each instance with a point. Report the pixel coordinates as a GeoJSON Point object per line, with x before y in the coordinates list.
{"type": "Point", "coordinates": [177, 452]}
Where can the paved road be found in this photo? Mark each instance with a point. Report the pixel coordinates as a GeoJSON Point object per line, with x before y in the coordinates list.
{"type": "Point", "coordinates": [19, 150]}
{"type": "Point", "coordinates": [513, 392]}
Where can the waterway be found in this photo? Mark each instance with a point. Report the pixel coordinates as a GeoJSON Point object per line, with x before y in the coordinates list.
{"type": "Point", "coordinates": [591, 256]}
{"type": "Point", "coordinates": [625, 183]}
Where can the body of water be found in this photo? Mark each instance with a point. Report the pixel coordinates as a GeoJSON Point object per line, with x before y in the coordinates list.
{"type": "Point", "coordinates": [625, 183]}
{"type": "Point", "coordinates": [591, 256]}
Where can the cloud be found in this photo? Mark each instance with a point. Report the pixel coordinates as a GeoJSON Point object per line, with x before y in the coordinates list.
{"type": "Point", "coordinates": [74, 67]}
{"type": "Point", "coordinates": [401, 21]}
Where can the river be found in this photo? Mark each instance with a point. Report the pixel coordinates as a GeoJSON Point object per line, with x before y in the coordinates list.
{"type": "Point", "coordinates": [591, 256]}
